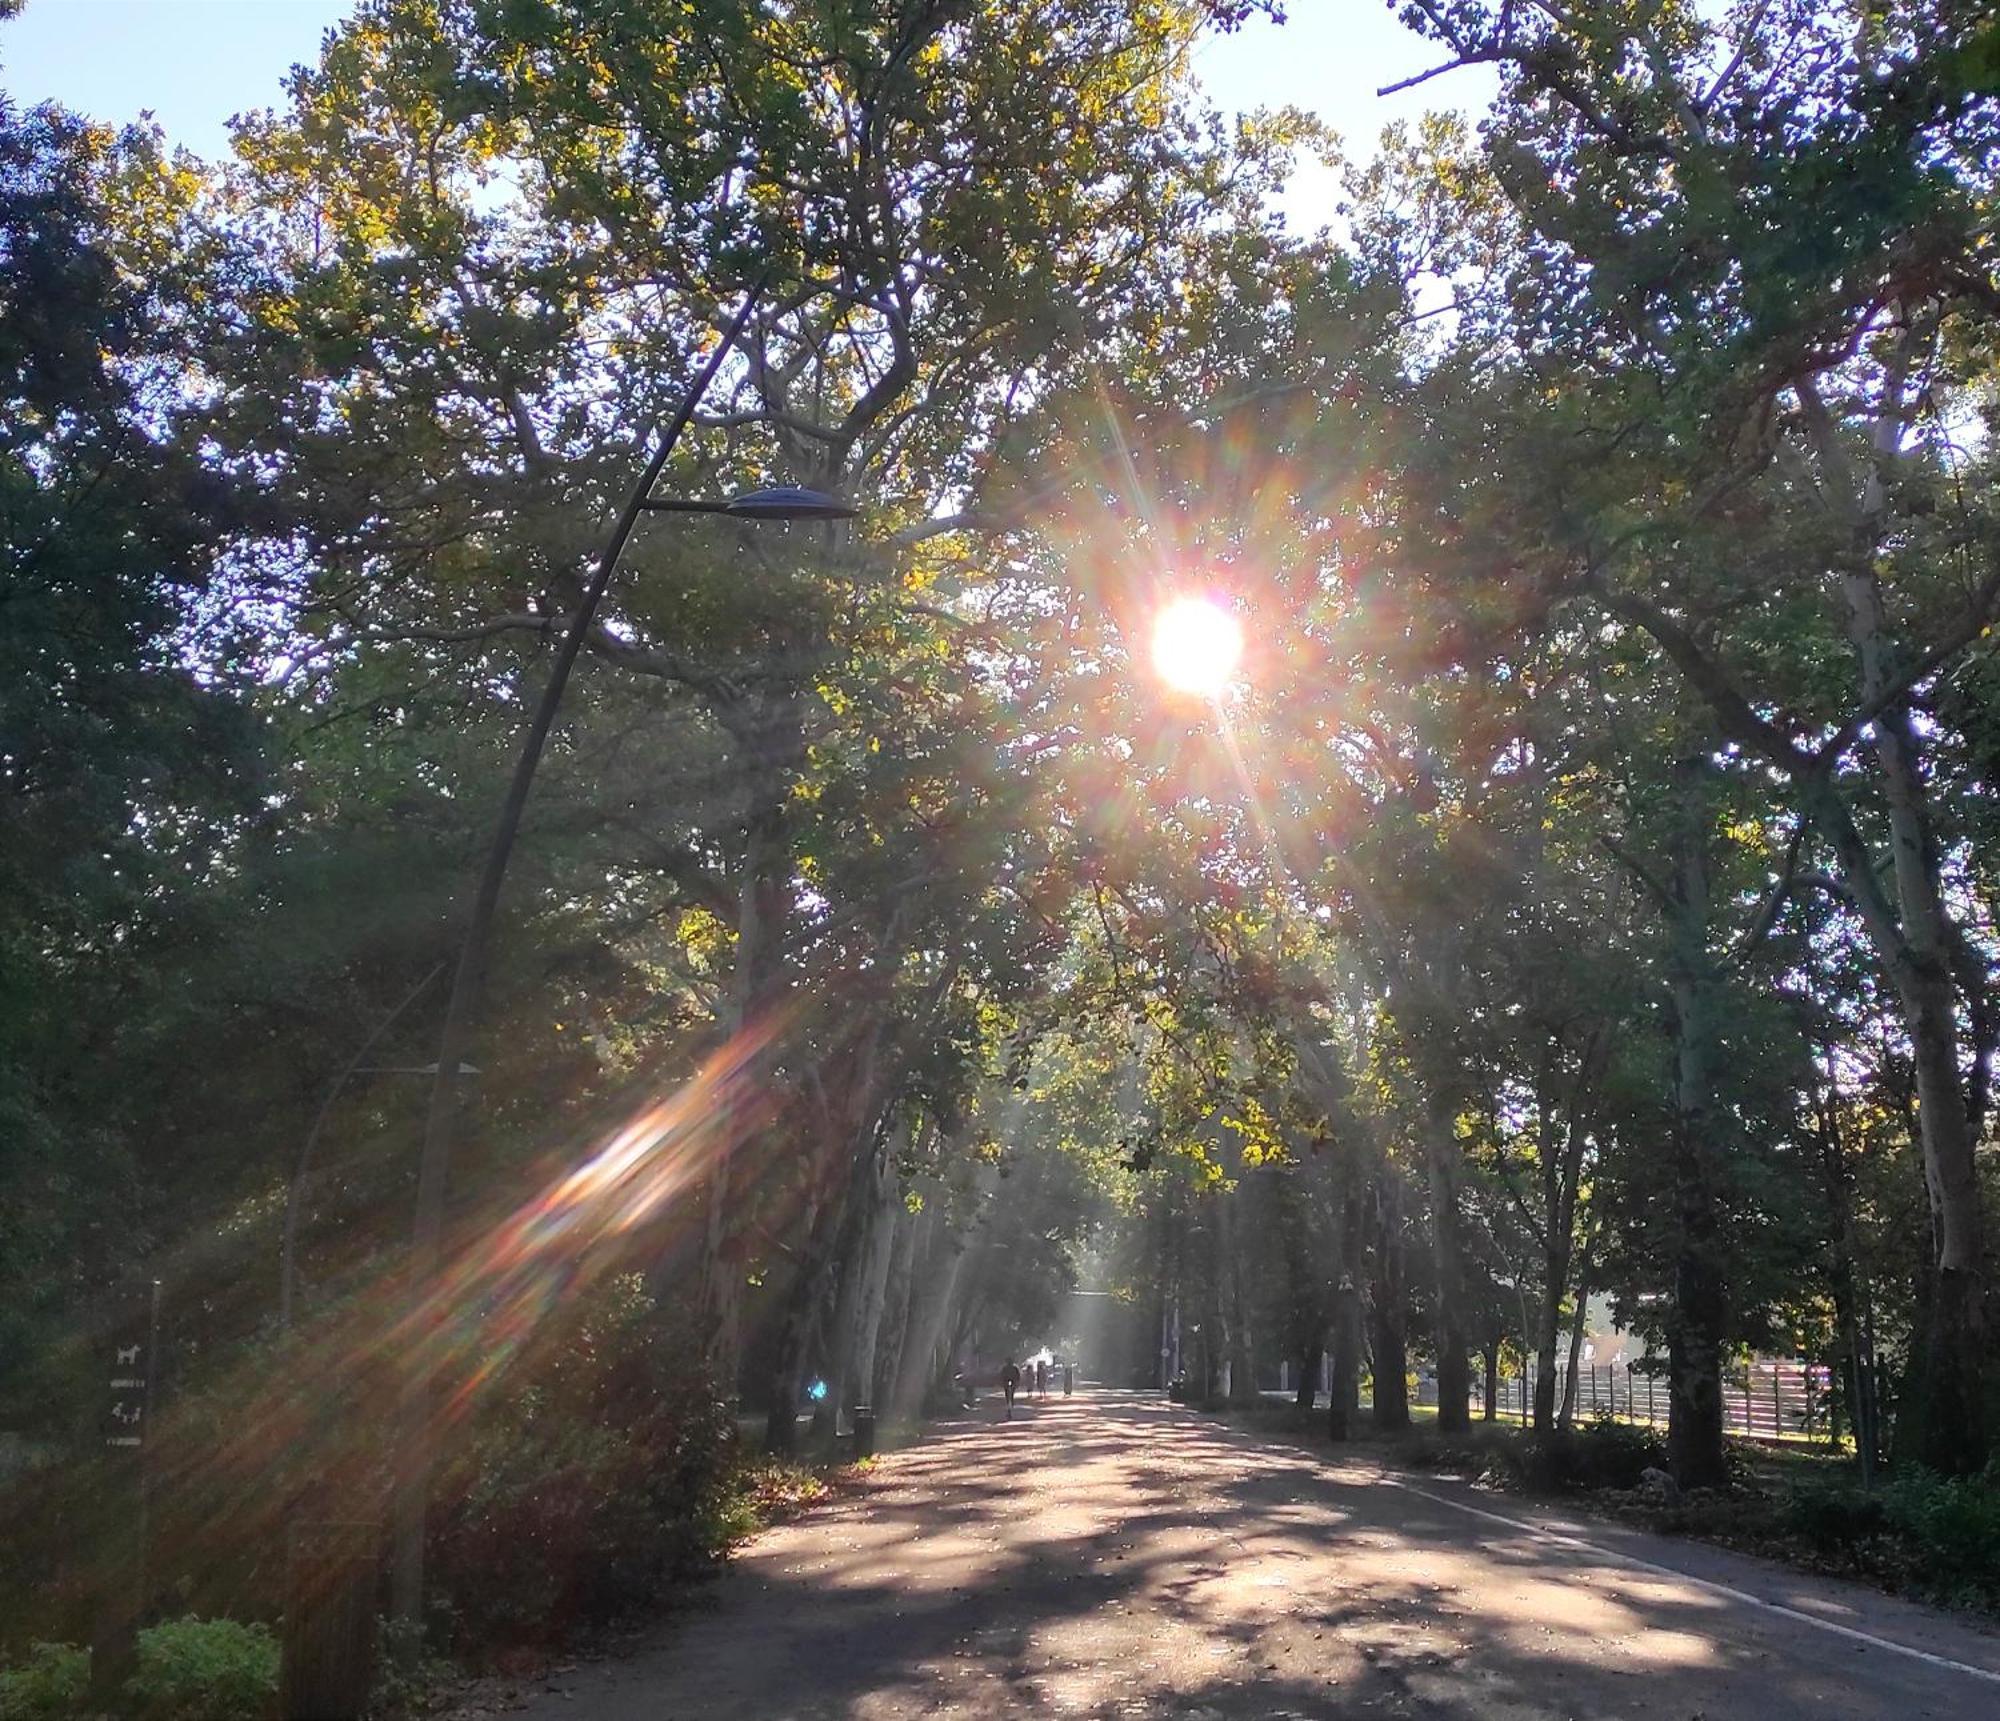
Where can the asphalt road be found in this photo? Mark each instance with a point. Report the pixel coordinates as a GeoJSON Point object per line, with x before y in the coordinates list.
{"type": "Point", "coordinates": [1112, 1555]}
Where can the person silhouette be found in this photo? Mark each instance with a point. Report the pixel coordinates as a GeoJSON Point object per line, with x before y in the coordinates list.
{"type": "Point", "coordinates": [1010, 1383]}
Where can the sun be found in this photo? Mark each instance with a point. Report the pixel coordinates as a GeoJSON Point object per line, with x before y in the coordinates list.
{"type": "Point", "coordinates": [1197, 645]}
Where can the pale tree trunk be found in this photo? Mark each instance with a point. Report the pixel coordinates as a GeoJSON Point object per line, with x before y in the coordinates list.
{"type": "Point", "coordinates": [931, 1312]}
{"type": "Point", "coordinates": [1242, 1349]}
{"type": "Point", "coordinates": [1944, 1420]}
{"type": "Point", "coordinates": [1454, 1374]}
{"type": "Point", "coordinates": [863, 1285]}
{"type": "Point", "coordinates": [1548, 1336]}
{"type": "Point", "coordinates": [874, 1295]}
{"type": "Point", "coordinates": [1583, 1290]}
{"type": "Point", "coordinates": [934, 1301]}
{"type": "Point", "coordinates": [917, 1269]}
{"type": "Point", "coordinates": [1915, 939]}
{"type": "Point", "coordinates": [1558, 1245]}
{"type": "Point", "coordinates": [1344, 1376]}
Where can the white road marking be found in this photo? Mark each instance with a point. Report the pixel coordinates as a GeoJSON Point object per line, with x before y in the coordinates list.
{"type": "Point", "coordinates": [1795, 1614]}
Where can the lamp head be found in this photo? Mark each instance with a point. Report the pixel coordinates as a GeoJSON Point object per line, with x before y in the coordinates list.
{"type": "Point", "coordinates": [788, 502]}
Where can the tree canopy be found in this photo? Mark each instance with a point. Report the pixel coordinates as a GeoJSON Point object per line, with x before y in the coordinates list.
{"type": "Point", "coordinates": [1583, 887]}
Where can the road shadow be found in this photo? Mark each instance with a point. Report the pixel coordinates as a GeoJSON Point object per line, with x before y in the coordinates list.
{"type": "Point", "coordinates": [1112, 1555]}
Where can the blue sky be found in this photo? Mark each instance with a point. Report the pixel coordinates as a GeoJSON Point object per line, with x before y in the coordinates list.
{"type": "Point", "coordinates": [194, 63]}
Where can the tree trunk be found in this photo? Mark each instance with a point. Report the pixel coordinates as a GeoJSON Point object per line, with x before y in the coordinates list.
{"type": "Point", "coordinates": [845, 1144]}
{"type": "Point", "coordinates": [863, 1282]}
{"type": "Point", "coordinates": [913, 1245]}
{"type": "Point", "coordinates": [1242, 1350]}
{"type": "Point", "coordinates": [874, 1295]}
{"type": "Point", "coordinates": [1583, 1288]}
{"type": "Point", "coordinates": [935, 1289]}
{"type": "Point", "coordinates": [1454, 1374]}
{"type": "Point", "coordinates": [1944, 1419]}
{"type": "Point", "coordinates": [1697, 1322]}
{"type": "Point", "coordinates": [1386, 1306]}
{"type": "Point", "coordinates": [1944, 1423]}
{"type": "Point", "coordinates": [1344, 1377]}
{"type": "Point", "coordinates": [786, 1380]}
{"type": "Point", "coordinates": [933, 1303]}
{"type": "Point", "coordinates": [1548, 1336]}
{"type": "Point", "coordinates": [1492, 1405]}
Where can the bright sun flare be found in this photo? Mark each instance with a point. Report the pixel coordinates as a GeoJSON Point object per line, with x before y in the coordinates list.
{"type": "Point", "coordinates": [1197, 645]}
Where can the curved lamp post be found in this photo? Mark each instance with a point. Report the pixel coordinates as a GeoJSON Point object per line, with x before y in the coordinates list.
{"type": "Point", "coordinates": [416, 1437]}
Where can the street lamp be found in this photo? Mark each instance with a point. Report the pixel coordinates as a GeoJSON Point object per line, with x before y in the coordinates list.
{"type": "Point", "coordinates": [415, 1436]}
{"type": "Point", "coordinates": [780, 502]}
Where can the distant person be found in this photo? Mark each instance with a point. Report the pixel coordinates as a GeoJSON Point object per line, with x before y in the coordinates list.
{"type": "Point", "coordinates": [1010, 1383]}
{"type": "Point", "coordinates": [1069, 1378]}
{"type": "Point", "coordinates": [1042, 1380]}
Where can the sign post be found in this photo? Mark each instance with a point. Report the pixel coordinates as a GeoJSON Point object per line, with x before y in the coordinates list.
{"type": "Point", "coordinates": [132, 1358]}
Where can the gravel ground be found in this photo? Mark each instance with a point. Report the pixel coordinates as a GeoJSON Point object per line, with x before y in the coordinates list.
{"type": "Point", "coordinates": [1112, 1555]}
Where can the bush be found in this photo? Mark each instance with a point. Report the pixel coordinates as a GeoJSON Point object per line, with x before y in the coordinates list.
{"type": "Point", "coordinates": [204, 1670]}
{"type": "Point", "coordinates": [1606, 1454]}
{"type": "Point", "coordinates": [1938, 1536]}
{"type": "Point", "coordinates": [601, 1474]}
{"type": "Point", "coordinates": [188, 1670]}
{"type": "Point", "coordinates": [1834, 1520]}
{"type": "Point", "coordinates": [1953, 1524]}
{"type": "Point", "coordinates": [49, 1686]}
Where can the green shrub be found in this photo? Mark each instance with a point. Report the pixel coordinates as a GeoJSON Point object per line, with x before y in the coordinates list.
{"type": "Point", "coordinates": [188, 1670]}
{"type": "Point", "coordinates": [204, 1670]}
{"type": "Point", "coordinates": [1953, 1524]}
{"type": "Point", "coordinates": [1834, 1520]}
{"type": "Point", "coordinates": [49, 1686]}
{"type": "Point", "coordinates": [1605, 1454]}
{"type": "Point", "coordinates": [600, 1474]}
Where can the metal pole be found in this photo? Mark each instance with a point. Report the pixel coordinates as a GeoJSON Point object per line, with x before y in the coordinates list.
{"type": "Point", "coordinates": [416, 1438]}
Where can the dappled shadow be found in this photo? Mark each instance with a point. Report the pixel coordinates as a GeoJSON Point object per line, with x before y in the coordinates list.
{"type": "Point", "coordinates": [1112, 1555]}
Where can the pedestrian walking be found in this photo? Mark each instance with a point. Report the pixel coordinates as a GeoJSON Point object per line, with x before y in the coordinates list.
{"type": "Point", "coordinates": [1010, 1383]}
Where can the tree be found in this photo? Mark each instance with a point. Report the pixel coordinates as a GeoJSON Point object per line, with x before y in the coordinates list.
{"type": "Point", "coordinates": [1769, 404]}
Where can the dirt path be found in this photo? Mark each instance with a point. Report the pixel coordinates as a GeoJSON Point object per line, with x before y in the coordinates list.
{"type": "Point", "coordinates": [1112, 1555]}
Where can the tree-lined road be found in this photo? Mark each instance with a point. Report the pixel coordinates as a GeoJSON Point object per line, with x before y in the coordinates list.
{"type": "Point", "coordinates": [1112, 1555]}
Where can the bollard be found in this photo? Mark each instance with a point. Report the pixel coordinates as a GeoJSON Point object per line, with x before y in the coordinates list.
{"type": "Point", "coordinates": [864, 1431]}
{"type": "Point", "coordinates": [328, 1661]}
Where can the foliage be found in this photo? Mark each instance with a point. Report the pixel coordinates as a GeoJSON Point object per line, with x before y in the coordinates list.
{"type": "Point", "coordinates": [187, 1670]}
{"type": "Point", "coordinates": [603, 1473]}
{"type": "Point", "coordinates": [204, 1670]}
{"type": "Point", "coordinates": [1587, 891]}
{"type": "Point", "coordinates": [1952, 1527]}
{"type": "Point", "coordinates": [1605, 1454]}
{"type": "Point", "coordinates": [49, 1686]}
